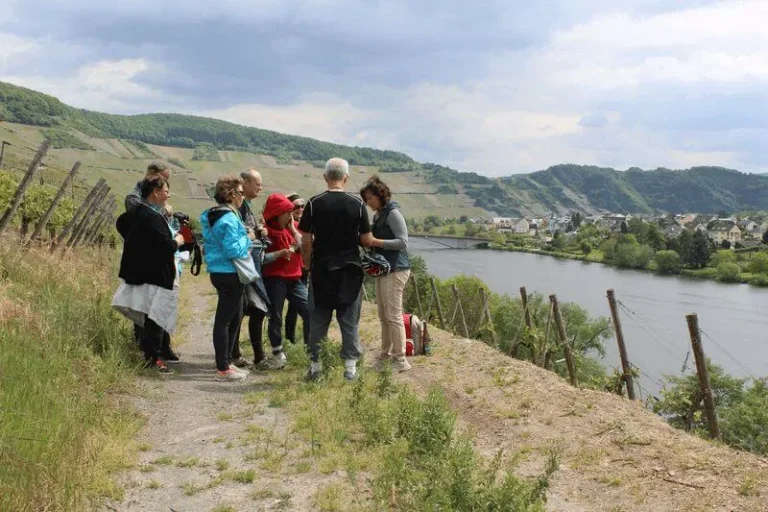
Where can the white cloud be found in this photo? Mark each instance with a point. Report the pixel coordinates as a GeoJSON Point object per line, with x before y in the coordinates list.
{"type": "Point", "coordinates": [12, 46]}
{"type": "Point", "coordinates": [109, 86]}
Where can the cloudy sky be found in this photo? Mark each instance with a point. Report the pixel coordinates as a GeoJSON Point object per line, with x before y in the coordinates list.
{"type": "Point", "coordinates": [496, 87]}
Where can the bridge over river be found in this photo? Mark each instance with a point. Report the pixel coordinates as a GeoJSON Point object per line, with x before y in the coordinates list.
{"type": "Point", "coordinates": [449, 242]}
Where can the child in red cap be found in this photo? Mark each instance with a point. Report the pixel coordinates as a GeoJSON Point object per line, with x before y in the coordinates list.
{"type": "Point", "coordinates": [282, 278]}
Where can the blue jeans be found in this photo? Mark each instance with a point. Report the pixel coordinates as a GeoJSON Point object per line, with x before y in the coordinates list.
{"type": "Point", "coordinates": [278, 290]}
{"type": "Point", "coordinates": [349, 323]}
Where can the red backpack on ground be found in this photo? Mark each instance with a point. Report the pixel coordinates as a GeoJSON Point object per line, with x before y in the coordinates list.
{"type": "Point", "coordinates": [416, 336]}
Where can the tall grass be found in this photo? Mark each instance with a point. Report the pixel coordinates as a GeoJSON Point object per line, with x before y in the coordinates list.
{"type": "Point", "coordinates": [64, 359]}
{"type": "Point", "coordinates": [400, 452]}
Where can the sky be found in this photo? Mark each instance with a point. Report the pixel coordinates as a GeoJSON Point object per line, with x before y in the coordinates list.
{"type": "Point", "coordinates": [494, 87]}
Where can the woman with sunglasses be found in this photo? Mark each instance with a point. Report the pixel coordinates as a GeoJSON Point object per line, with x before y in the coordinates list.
{"type": "Point", "coordinates": [226, 239]}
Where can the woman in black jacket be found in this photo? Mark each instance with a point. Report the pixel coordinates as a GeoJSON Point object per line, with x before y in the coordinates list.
{"type": "Point", "coordinates": [148, 295]}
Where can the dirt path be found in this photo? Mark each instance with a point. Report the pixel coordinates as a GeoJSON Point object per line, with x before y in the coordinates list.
{"type": "Point", "coordinates": [202, 437]}
{"type": "Point", "coordinates": [229, 447]}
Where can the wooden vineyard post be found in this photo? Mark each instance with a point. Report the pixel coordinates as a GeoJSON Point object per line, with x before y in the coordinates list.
{"type": "Point", "coordinates": [18, 197]}
{"type": "Point", "coordinates": [102, 192]}
{"type": "Point", "coordinates": [76, 217]}
{"type": "Point", "coordinates": [86, 233]}
{"type": "Point", "coordinates": [91, 216]}
{"type": "Point", "coordinates": [56, 200]}
{"type": "Point", "coordinates": [622, 347]}
{"type": "Point", "coordinates": [703, 373]}
{"type": "Point", "coordinates": [104, 212]}
{"type": "Point", "coordinates": [544, 357]}
{"type": "Point", "coordinates": [485, 314]}
{"type": "Point", "coordinates": [2, 151]}
{"type": "Point", "coordinates": [460, 310]}
{"type": "Point", "coordinates": [437, 301]}
{"type": "Point", "coordinates": [526, 316]}
{"type": "Point", "coordinates": [564, 340]}
{"type": "Point", "coordinates": [418, 297]}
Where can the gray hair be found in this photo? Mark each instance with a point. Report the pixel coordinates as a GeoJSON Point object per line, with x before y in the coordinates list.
{"type": "Point", "coordinates": [336, 169]}
{"type": "Point", "coordinates": [249, 174]}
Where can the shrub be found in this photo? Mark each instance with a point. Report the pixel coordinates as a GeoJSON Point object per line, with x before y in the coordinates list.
{"type": "Point", "coordinates": [633, 255]}
{"type": "Point", "coordinates": [728, 272]}
{"type": "Point", "coordinates": [759, 280]}
{"type": "Point", "coordinates": [758, 264]}
{"type": "Point", "coordinates": [668, 262]}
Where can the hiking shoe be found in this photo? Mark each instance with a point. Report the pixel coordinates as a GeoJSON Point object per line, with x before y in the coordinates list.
{"type": "Point", "coordinates": [240, 362]}
{"type": "Point", "coordinates": [160, 367]}
{"type": "Point", "coordinates": [229, 375]}
{"type": "Point", "coordinates": [171, 357]}
{"type": "Point", "coordinates": [314, 376]}
{"type": "Point", "coordinates": [279, 361]}
{"type": "Point", "coordinates": [239, 370]}
{"type": "Point", "coordinates": [401, 365]}
{"type": "Point", "coordinates": [349, 376]}
{"type": "Point", "coordinates": [379, 363]}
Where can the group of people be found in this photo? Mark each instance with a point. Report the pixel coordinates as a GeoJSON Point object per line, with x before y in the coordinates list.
{"type": "Point", "coordinates": [304, 253]}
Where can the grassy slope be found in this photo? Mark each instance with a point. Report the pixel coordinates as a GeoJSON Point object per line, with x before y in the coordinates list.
{"type": "Point", "coordinates": [122, 164]}
{"type": "Point", "coordinates": [63, 362]}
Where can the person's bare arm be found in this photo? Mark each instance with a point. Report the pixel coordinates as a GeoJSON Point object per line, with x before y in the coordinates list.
{"type": "Point", "coordinates": [306, 249]}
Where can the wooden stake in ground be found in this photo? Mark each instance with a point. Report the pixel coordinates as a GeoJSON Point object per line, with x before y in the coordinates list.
{"type": "Point", "coordinates": [56, 200]}
{"type": "Point", "coordinates": [564, 340]}
{"type": "Point", "coordinates": [103, 213]}
{"type": "Point", "coordinates": [99, 213]}
{"type": "Point", "coordinates": [76, 217]}
{"type": "Point", "coordinates": [485, 314]}
{"type": "Point", "coordinates": [703, 372]}
{"type": "Point", "coordinates": [622, 347]}
{"type": "Point", "coordinates": [526, 316]}
{"type": "Point", "coordinates": [100, 194]}
{"type": "Point", "coordinates": [437, 301]}
{"type": "Point", "coordinates": [18, 197]}
{"type": "Point", "coordinates": [2, 151]}
{"type": "Point", "coordinates": [89, 217]}
{"type": "Point", "coordinates": [459, 309]}
{"type": "Point", "coordinates": [418, 297]}
{"type": "Point", "coordinates": [107, 220]}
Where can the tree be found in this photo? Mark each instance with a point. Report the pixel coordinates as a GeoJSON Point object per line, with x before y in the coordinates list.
{"type": "Point", "coordinates": [633, 255]}
{"type": "Point", "coordinates": [576, 219]}
{"type": "Point", "coordinates": [558, 241]}
{"type": "Point", "coordinates": [585, 247]}
{"type": "Point", "coordinates": [685, 241]}
{"type": "Point", "coordinates": [470, 229]}
{"type": "Point", "coordinates": [725, 244]}
{"type": "Point", "coordinates": [624, 228]}
{"type": "Point", "coordinates": [759, 263]}
{"type": "Point", "coordinates": [654, 237]}
{"type": "Point", "coordinates": [700, 250]}
{"type": "Point", "coordinates": [765, 237]}
{"type": "Point", "coordinates": [463, 219]}
{"type": "Point", "coordinates": [668, 262]}
{"type": "Point", "coordinates": [681, 400]}
{"type": "Point", "coordinates": [451, 230]}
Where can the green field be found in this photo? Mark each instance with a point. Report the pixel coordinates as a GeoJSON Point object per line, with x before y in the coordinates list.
{"type": "Point", "coordinates": [122, 164]}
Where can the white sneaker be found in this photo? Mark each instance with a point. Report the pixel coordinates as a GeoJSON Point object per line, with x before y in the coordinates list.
{"type": "Point", "coordinates": [278, 362]}
{"type": "Point", "coordinates": [239, 370]}
{"type": "Point", "coordinates": [401, 365]}
{"type": "Point", "coordinates": [230, 375]}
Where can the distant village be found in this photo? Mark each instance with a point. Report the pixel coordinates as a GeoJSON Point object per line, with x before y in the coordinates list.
{"type": "Point", "coordinates": [727, 232]}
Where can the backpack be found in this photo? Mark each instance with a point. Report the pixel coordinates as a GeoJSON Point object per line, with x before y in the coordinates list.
{"type": "Point", "coordinates": [417, 338]}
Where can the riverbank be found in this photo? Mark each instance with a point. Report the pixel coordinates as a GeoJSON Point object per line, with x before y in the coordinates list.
{"type": "Point", "coordinates": [596, 256]}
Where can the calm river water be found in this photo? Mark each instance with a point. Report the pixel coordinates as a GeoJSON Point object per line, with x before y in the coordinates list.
{"type": "Point", "coordinates": [657, 334]}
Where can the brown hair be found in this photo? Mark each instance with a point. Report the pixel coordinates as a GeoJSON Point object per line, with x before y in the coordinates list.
{"type": "Point", "coordinates": [226, 187]}
{"type": "Point", "coordinates": [151, 184]}
{"type": "Point", "coordinates": [378, 188]}
{"type": "Point", "coordinates": [156, 168]}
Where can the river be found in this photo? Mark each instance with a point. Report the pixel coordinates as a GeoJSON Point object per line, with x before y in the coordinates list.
{"type": "Point", "coordinates": [732, 316]}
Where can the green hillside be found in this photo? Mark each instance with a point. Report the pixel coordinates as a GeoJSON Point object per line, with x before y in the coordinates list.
{"type": "Point", "coordinates": [118, 148]}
